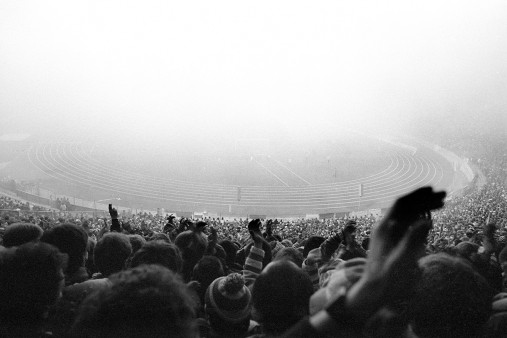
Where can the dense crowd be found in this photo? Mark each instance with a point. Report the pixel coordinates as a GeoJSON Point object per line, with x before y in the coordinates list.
{"type": "Point", "coordinates": [12, 204]}
{"type": "Point", "coordinates": [422, 270]}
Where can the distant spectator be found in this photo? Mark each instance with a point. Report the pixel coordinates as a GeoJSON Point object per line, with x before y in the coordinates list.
{"type": "Point", "coordinates": [160, 237]}
{"type": "Point", "coordinates": [137, 241]}
{"type": "Point", "coordinates": [350, 248]}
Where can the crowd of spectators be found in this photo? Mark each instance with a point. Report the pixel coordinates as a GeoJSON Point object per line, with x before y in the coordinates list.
{"type": "Point", "coordinates": [422, 270]}
{"type": "Point", "coordinates": [12, 204]}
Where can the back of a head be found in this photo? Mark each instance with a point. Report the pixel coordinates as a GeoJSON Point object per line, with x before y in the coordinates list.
{"type": "Point", "coordinates": [192, 247]}
{"type": "Point", "coordinates": [21, 233]}
{"type": "Point", "coordinates": [160, 237]}
{"type": "Point", "coordinates": [146, 301]}
{"type": "Point", "coordinates": [137, 241]}
{"type": "Point", "coordinates": [312, 243]}
{"type": "Point", "coordinates": [111, 252]}
{"type": "Point", "coordinates": [205, 272]}
{"type": "Point", "coordinates": [31, 278]}
{"type": "Point", "coordinates": [158, 252]}
{"type": "Point", "coordinates": [70, 239]}
{"type": "Point", "coordinates": [348, 229]}
{"type": "Point", "coordinates": [291, 254]}
{"type": "Point", "coordinates": [230, 251]}
{"type": "Point", "coordinates": [451, 299]}
{"type": "Point", "coordinates": [281, 295]}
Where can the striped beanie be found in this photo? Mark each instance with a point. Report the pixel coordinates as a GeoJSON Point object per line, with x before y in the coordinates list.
{"type": "Point", "coordinates": [229, 298]}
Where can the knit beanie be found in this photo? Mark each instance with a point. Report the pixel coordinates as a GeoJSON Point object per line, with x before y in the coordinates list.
{"type": "Point", "coordinates": [229, 298]}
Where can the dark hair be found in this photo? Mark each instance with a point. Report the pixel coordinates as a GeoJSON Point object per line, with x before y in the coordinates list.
{"type": "Point", "coordinates": [21, 233]}
{"type": "Point", "coordinates": [280, 296]}
{"type": "Point", "coordinates": [192, 247]}
{"type": "Point", "coordinates": [70, 239]}
{"type": "Point", "coordinates": [148, 300]}
{"type": "Point", "coordinates": [290, 254]}
{"type": "Point", "coordinates": [201, 224]}
{"type": "Point", "coordinates": [30, 281]}
{"type": "Point", "coordinates": [111, 252]}
{"type": "Point", "coordinates": [230, 251]}
{"type": "Point", "coordinates": [158, 236]}
{"type": "Point", "coordinates": [349, 228]}
{"type": "Point", "coordinates": [312, 243]}
{"type": "Point", "coordinates": [451, 299]}
{"type": "Point", "coordinates": [137, 241]}
{"type": "Point", "coordinates": [205, 272]}
{"type": "Point", "coordinates": [158, 252]}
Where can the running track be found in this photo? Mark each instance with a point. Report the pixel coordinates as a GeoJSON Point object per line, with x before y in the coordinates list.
{"type": "Point", "coordinates": [69, 163]}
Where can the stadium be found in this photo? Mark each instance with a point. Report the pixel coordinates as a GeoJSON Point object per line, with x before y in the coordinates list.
{"type": "Point", "coordinates": [229, 169]}
{"type": "Point", "coordinates": [261, 180]}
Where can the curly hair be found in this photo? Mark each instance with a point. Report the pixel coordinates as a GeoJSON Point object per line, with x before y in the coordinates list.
{"type": "Point", "coordinates": [158, 252]}
{"type": "Point", "coordinates": [148, 300]}
{"type": "Point", "coordinates": [70, 239]}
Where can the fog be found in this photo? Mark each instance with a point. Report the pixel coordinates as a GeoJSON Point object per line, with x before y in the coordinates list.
{"type": "Point", "coordinates": [154, 71]}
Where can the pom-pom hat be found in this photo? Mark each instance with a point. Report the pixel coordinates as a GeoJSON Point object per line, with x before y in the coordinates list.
{"type": "Point", "coordinates": [229, 298]}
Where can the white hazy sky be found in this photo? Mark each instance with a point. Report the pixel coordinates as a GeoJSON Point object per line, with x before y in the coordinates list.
{"type": "Point", "coordinates": [152, 66]}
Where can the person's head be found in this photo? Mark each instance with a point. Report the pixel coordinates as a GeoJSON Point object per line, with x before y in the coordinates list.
{"type": "Point", "coordinates": [158, 252]}
{"type": "Point", "coordinates": [280, 296]}
{"type": "Point", "coordinates": [451, 299]}
{"type": "Point", "coordinates": [192, 248]}
{"type": "Point", "coordinates": [21, 233]}
{"type": "Point", "coordinates": [31, 279]}
{"type": "Point", "coordinates": [206, 271]}
{"type": "Point", "coordinates": [228, 305]}
{"type": "Point", "coordinates": [200, 226]}
{"type": "Point", "coordinates": [111, 252]}
{"type": "Point", "coordinates": [230, 251]}
{"type": "Point", "coordinates": [137, 241]}
{"type": "Point", "coordinates": [160, 237]}
{"type": "Point", "coordinates": [146, 301]}
{"type": "Point", "coordinates": [290, 254]}
{"type": "Point", "coordinates": [71, 240]}
{"type": "Point", "coordinates": [312, 243]}
{"type": "Point", "coordinates": [349, 233]}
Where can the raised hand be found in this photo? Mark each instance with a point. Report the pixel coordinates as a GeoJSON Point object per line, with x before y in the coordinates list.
{"type": "Point", "coordinates": [113, 212]}
{"type": "Point", "coordinates": [395, 247]}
